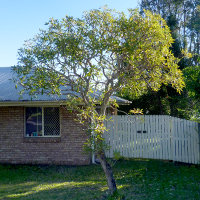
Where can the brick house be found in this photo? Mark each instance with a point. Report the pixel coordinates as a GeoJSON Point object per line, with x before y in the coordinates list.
{"type": "Point", "coordinates": [38, 130]}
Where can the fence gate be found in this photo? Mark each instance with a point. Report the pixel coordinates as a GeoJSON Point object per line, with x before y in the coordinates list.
{"type": "Point", "coordinates": [153, 136]}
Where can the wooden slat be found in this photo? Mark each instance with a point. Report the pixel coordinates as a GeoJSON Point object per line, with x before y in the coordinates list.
{"type": "Point", "coordinates": [179, 146]}
{"type": "Point", "coordinates": [134, 131]}
{"type": "Point", "coordinates": [152, 122]}
{"type": "Point", "coordinates": [147, 127]}
{"type": "Point", "coordinates": [197, 143]}
{"type": "Point", "coordinates": [189, 142]}
{"type": "Point", "coordinates": [156, 137]}
{"type": "Point", "coordinates": [153, 137]}
{"type": "Point", "coordinates": [186, 142]}
{"type": "Point", "coordinates": [196, 146]}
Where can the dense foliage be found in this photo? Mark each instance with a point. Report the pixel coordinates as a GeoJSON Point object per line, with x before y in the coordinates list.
{"type": "Point", "coordinates": [183, 19]}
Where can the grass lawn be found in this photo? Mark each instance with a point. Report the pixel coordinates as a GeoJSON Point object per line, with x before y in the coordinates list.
{"type": "Point", "coordinates": [136, 179]}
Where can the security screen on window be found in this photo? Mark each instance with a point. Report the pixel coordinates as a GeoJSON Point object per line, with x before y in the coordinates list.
{"type": "Point", "coordinates": [42, 121]}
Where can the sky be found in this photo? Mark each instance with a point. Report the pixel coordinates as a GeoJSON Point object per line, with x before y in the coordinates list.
{"type": "Point", "coordinates": [20, 20]}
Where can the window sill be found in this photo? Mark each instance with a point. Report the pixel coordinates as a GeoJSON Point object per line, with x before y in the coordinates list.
{"type": "Point", "coordinates": [42, 139]}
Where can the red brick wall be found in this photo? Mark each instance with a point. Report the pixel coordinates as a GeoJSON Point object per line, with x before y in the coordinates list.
{"type": "Point", "coordinates": [15, 148]}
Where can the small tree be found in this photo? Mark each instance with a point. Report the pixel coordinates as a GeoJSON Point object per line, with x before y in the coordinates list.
{"type": "Point", "coordinates": [96, 56]}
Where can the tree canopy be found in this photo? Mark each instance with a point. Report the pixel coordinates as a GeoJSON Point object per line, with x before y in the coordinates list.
{"type": "Point", "coordinates": [127, 52]}
{"type": "Point", "coordinates": [102, 53]}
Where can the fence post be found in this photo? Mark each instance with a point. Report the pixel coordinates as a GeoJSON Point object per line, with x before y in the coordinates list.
{"type": "Point", "coordinates": [199, 141]}
{"type": "Point", "coordinates": [172, 145]}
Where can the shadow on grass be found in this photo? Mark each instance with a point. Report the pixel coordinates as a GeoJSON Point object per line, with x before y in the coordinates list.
{"type": "Point", "coordinates": [63, 190]}
{"type": "Point", "coordinates": [51, 182]}
{"type": "Point", "coordinates": [136, 179]}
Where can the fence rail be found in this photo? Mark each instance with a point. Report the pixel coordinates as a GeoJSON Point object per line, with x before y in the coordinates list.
{"type": "Point", "coordinates": [153, 136]}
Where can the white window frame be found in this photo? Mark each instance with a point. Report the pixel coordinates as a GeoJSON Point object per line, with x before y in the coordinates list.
{"type": "Point", "coordinates": [46, 136]}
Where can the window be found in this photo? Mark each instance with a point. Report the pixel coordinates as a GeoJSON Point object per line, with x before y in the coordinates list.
{"type": "Point", "coordinates": [42, 122]}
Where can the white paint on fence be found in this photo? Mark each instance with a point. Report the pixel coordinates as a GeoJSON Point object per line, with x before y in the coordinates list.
{"type": "Point", "coordinates": [153, 136]}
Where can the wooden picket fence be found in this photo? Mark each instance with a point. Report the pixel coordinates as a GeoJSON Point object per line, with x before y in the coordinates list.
{"type": "Point", "coordinates": [153, 136]}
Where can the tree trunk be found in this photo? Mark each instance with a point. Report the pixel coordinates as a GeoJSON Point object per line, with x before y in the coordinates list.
{"type": "Point", "coordinates": [108, 172]}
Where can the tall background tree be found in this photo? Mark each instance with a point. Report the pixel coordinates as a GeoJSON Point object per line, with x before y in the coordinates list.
{"type": "Point", "coordinates": [183, 19]}
{"type": "Point", "coordinates": [102, 53]}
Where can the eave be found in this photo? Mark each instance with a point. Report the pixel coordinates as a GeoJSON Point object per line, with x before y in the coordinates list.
{"type": "Point", "coordinates": [32, 103]}
{"type": "Point", "coordinates": [42, 103]}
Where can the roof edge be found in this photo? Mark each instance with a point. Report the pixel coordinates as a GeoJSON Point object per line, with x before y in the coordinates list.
{"type": "Point", "coordinates": [32, 103]}
{"type": "Point", "coordinates": [42, 103]}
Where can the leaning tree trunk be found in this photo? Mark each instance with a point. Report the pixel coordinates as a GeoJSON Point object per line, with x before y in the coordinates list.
{"type": "Point", "coordinates": [108, 172]}
{"type": "Point", "coordinates": [101, 154]}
